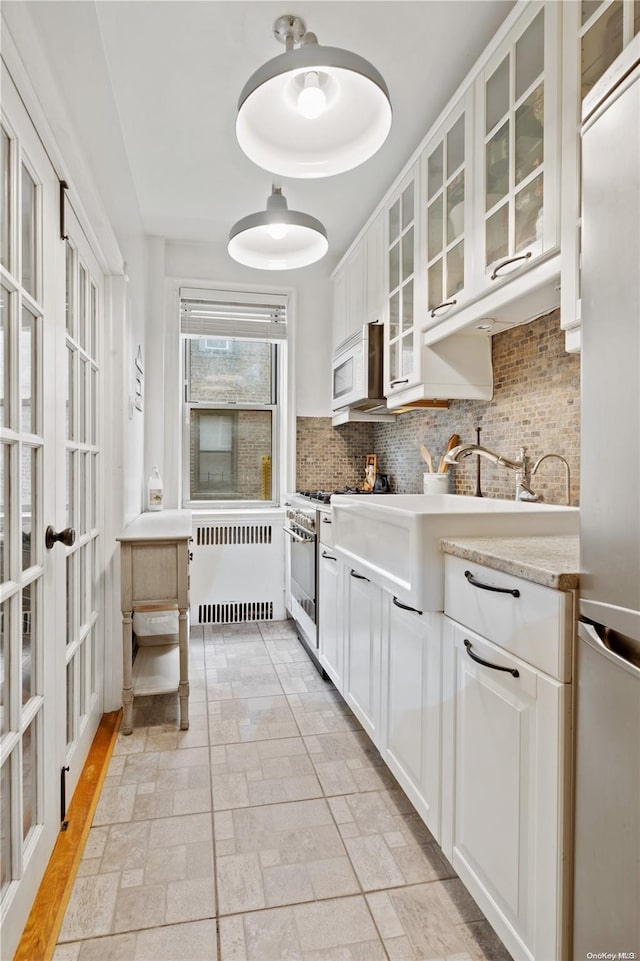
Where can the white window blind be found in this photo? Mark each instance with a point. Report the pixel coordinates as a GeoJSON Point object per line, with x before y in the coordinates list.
{"type": "Point", "coordinates": [226, 313]}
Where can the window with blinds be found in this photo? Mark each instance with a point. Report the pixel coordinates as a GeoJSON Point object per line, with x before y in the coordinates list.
{"type": "Point", "coordinates": [234, 346]}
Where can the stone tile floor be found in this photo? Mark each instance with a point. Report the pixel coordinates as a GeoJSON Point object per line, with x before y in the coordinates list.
{"type": "Point", "coordinates": [271, 830]}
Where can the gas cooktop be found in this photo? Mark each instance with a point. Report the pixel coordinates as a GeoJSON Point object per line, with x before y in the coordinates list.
{"type": "Point", "coordinates": [324, 497]}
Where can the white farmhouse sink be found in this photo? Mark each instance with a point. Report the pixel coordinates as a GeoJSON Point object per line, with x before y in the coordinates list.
{"type": "Point", "coordinates": [394, 539]}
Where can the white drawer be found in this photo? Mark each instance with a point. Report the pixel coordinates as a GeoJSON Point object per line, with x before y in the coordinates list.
{"type": "Point", "coordinates": [325, 528]}
{"type": "Point", "coordinates": [536, 625]}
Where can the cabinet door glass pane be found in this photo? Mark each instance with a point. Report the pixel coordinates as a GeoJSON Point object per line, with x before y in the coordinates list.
{"type": "Point", "coordinates": [455, 270]}
{"type": "Point", "coordinates": [497, 95]}
{"type": "Point", "coordinates": [601, 45]}
{"type": "Point", "coordinates": [29, 238]}
{"type": "Point", "coordinates": [528, 205]}
{"type": "Point", "coordinates": [28, 636]}
{"type": "Point", "coordinates": [530, 55]}
{"type": "Point", "coordinates": [455, 147]}
{"type": "Point", "coordinates": [5, 369]}
{"type": "Point", "coordinates": [5, 197]}
{"type": "Point", "coordinates": [28, 371]}
{"type": "Point", "coordinates": [434, 229]}
{"type": "Point", "coordinates": [408, 211]}
{"type": "Point", "coordinates": [589, 7]}
{"type": "Point", "coordinates": [394, 315]}
{"type": "Point", "coordinates": [407, 254]}
{"type": "Point", "coordinates": [530, 134]}
{"type": "Point", "coordinates": [435, 285]}
{"type": "Point", "coordinates": [393, 361]}
{"type": "Point", "coordinates": [497, 166]}
{"type": "Point", "coordinates": [407, 306]}
{"type": "Point", "coordinates": [407, 354]}
{"type": "Point", "coordinates": [394, 266]}
{"type": "Point", "coordinates": [497, 234]}
{"type": "Point", "coordinates": [455, 207]}
{"type": "Point", "coordinates": [435, 176]}
{"type": "Point", "coordinates": [394, 221]}
{"type": "Point", "coordinates": [636, 18]}
{"type": "Point", "coordinates": [28, 506]}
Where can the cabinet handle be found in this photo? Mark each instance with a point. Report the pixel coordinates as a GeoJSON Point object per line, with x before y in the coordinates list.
{"type": "Point", "coordinates": [495, 667]}
{"type": "Point", "coordinates": [447, 303]}
{"type": "Point", "coordinates": [487, 587]}
{"type": "Point", "coordinates": [405, 607]}
{"type": "Point", "coordinates": [509, 260]}
{"type": "Point", "coordinates": [329, 557]}
{"type": "Point", "coordinates": [360, 577]}
{"type": "Point", "coordinates": [394, 383]}
{"type": "Point", "coordinates": [326, 520]}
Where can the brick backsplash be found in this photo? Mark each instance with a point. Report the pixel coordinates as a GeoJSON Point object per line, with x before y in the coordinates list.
{"type": "Point", "coordinates": [536, 404]}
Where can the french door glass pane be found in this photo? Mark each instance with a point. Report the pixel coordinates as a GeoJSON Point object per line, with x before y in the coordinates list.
{"type": "Point", "coordinates": [93, 323]}
{"type": "Point", "coordinates": [29, 779]}
{"type": "Point", "coordinates": [5, 370]}
{"type": "Point", "coordinates": [29, 235]}
{"type": "Point", "coordinates": [82, 493]}
{"type": "Point", "coordinates": [70, 700]}
{"type": "Point", "coordinates": [28, 505]}
{"type": "Point", "coordinates": [5, 664]}
{"type": "Point", "coordinates": [70, 498]}
{"type": "Point", "coordinates": [93, 641]}
{"type": "Point", "coordinates": [530, 55]}
{"type": "Point", "coordinates": [71, 583]}
{"type": "Point", "coordinates": [93, 405]}
{"type": "Point", "coordinates": [5, 513]}
{"type": "Point", "coordinates": [82, 308]}
{"type": "Point", "coordinates": [93, 499]}
{"type": "Point", "coordinates": [5, 195]}
{"type": "Point", "coordinates": [82, 404]}
{"type": "Point", "coordinates": [27, 659]}
{"type": "Point", "coordinates": [29, 372]}
{"type": "Point", "coordinates": [70, 392]}
{"type": "Point", "coordinates": [83, 585]}
{"type": "Point", "coordinates": [6, 872]}
{"type": "Point", "coordinates": [69, 288]}
{"type": "Point", "coordinates": [84, 694]}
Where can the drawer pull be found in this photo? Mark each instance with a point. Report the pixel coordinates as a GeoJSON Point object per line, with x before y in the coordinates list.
{"type": "Point", "coordinates": [405, 607]}
{"type": "Point", "coordinates": [329, 557]}
{"type": "Point", "coordinates": [360, 577]}
{"type": "Point", "coordinates": [495, 667]}
{"type": "Point", "coordinates": [488, 587]}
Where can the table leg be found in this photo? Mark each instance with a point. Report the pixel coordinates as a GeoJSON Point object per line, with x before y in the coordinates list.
{"type": "Point", "coordinates": [127, 672]}
{"type": "Point", "coordinates": [183, 687]}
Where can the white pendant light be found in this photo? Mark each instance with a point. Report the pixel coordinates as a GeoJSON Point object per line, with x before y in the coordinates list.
{"type": "Point", "coordinates": [277, 238]}
{"type": "Point", "coordinates": [313, 111]}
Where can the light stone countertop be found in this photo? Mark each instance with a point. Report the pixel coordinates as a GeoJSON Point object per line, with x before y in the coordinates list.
{"type": "Point", "coordinates": [550, 561]}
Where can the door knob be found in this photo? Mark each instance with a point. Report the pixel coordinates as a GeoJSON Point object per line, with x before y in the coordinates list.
{"type": "Point", "coordinates": [66, 537]}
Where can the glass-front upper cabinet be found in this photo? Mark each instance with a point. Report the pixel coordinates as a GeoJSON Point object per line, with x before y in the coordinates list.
{"type": "Point", "coordinates": [518, 110]}
{"type": "Point", "coordinates": [595, 33]}
{"type": "Point", "coordinates": [401, 339]}
{"type": "Point", "coordinates": [448, 212]}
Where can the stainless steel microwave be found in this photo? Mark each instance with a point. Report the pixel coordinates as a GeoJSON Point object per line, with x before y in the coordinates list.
{"type": "Point", "coordinates": [358, 370]}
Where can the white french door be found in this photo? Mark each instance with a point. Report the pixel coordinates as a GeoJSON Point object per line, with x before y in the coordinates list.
{"type": "Point", "coordinates": [51, 660]}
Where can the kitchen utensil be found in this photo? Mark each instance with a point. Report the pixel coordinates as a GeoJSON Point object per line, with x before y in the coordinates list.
{"type": "Point", "coordinates": [453, 441]}
{"type": "Point", "coordinates": [426, 456]}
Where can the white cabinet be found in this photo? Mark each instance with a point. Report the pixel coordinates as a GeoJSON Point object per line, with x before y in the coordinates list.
{"type": "Point", "coordinates": [331, 607]}
{"type": "Point", "coordinates": [361, 686]}
{"type": "Point", "coordinates": [358, 284]}
{"type": "Point", "coordinates": [412, 704]}
{"type": "Point", "coordinates": [593, 37]}
{"type": "Point", "coordinates": [506, 730]}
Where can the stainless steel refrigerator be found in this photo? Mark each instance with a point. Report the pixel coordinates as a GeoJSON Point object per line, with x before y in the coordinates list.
{"type": "Point", "coordinates": [607, 785]}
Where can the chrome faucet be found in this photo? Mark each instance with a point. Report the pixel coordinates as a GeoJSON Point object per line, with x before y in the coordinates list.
{"type": "Point", "coordinates": [567, 472]}
{"type": "Point", "coordinates": [520, 467]}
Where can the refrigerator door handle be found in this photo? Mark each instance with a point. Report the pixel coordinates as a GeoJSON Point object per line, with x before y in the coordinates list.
{"type": "Point", "coordinates": [618, 648]}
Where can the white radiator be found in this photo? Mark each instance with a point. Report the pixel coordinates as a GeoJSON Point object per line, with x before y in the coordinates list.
{"type": "Point", "coordinates": [237, 572]}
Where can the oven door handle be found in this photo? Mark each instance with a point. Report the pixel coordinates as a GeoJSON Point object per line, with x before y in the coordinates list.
{"type": "Point", "coordinates": [296, 537]}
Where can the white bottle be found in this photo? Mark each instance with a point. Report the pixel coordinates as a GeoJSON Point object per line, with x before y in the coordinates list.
{"type": "Point", "coordinates": [154, 491]}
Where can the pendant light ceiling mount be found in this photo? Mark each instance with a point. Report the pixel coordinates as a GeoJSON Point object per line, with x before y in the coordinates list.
{"type": "Point", "coordinates": [312, 111]}
{"type": "Point", "coordinates": [277, 238]}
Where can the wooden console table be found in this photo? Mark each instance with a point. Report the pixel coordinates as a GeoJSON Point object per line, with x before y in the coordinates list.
{"type": "Point", "coordinates": [154, 575]}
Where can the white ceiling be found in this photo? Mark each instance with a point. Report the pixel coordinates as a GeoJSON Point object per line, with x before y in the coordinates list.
{"type": "Point", "coordinates": [176, 68]}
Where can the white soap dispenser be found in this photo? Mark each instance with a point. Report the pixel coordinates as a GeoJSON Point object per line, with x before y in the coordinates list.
{"type": "Point", "coordinates": [154, 491]}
